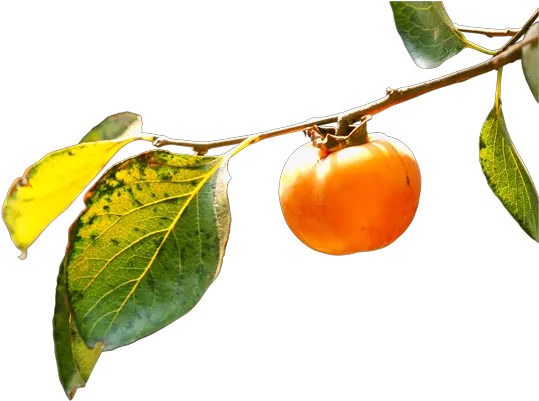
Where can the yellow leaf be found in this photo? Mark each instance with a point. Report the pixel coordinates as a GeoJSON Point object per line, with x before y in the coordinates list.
{"type": "Point", "coordinates": [49, 186]}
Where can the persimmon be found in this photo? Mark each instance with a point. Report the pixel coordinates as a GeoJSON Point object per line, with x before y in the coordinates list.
{"type": "Point", "coordinates": [359, 198]}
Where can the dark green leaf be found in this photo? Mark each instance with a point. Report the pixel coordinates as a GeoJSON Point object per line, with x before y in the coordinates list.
{"type": "Point", "coordinates": [506, 174]}
{"type": "Point", "coordinates": [74, 360]}
{"type": "Point", "coordinates": [148, 245]}
{"type": "Point", "coordinates": [427, 32]}
{"type": "Point", "coordinates": [530, 62]}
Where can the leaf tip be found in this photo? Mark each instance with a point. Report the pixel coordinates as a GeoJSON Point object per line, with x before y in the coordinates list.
{"type": "Point", "coordinates": [70, 393]}
{"type": "Point", "coordinates": [24, 254]}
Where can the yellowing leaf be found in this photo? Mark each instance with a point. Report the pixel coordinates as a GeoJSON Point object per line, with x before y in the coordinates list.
{"type": "Point", "coordinates": [74, 359]}
{"type": "Point", "coordinates": [148, 245]}
{"type": "Point", "coordinates": [52, 184]}
{"type": "Point", "coordinates": [506, 174]}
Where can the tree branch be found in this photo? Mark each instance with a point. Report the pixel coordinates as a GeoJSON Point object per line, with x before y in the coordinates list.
{"type": "Point", "coordinates": [520, 33]}
{"type": "Point", "coordinates": [396, 96]}
{"type": "Point", "coordinates": [487, 31]}
{"type": "Point", "coordinates": [392, 98]}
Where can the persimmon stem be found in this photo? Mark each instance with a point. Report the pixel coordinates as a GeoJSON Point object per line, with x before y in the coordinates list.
{"type": "Point", "coordinates": [392, 98]}
{"type": "Point", "coordinates": [330, 140]}
{"type": "Point", "coordinates": [343, 126]}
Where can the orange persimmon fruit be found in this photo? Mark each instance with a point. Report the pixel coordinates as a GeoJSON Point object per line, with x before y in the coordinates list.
{"type": "Point", "coordinates": [356, 199]}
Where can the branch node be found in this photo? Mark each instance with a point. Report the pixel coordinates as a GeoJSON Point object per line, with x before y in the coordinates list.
{"type": "Point", "coordinates": [160, 141]}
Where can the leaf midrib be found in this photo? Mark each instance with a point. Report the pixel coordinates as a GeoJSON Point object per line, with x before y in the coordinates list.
{"type": "Point", "coordinates": [120, 216]}
{"type": "Point", "coordinates": [496, 126]}
{"type": "Point", "coordinates": [171, 228]}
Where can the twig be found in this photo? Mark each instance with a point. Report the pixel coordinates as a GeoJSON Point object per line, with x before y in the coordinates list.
{"type": "Point", "coordinates": [396, 96]}
{"type": "Point", "coordinates": [521, 32]}
{"type": "Point", "coordinates": [393, 97]}
{"type": "Point", "coordinates": [487, 31]}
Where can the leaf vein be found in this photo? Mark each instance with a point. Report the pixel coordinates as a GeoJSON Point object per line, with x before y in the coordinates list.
{"type": "Point", "coordinates": [171, 229]}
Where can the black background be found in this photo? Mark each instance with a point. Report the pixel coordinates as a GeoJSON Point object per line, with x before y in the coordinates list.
{"type": "Point", "coordinates": [454, 295]}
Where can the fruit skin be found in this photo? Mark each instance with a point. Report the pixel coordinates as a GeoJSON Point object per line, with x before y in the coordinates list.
{"type": "Point", "coordinates": [360, 198]}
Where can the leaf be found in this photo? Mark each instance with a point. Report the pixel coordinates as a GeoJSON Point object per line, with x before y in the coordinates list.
{"type": "Point", "coordinates": [427, 32]}
{"type": "Point", "coordinates": [113, 127]}
{"type": "Point", "coordinates": [148, 245]}
{"type": "Point", "coordinates": [530, 63]}
{"type": "Point", "coordinates": [52, 184]}
{"type": "Point", "coordinates": [75, 361]}
{"type": "Point", "coordinates": [506, 174]}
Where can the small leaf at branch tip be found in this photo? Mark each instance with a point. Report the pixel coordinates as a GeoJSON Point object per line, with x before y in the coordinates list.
{"type": "Point", "coordinates": [23, 255]}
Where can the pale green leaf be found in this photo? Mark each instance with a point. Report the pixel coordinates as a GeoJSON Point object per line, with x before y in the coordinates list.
{"type": "Point", "coordinates": [428, 33]}
{"type": "Point", "coordinates": [506, 174]}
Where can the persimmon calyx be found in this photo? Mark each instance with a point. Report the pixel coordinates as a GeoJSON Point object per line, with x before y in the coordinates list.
{"type": "Point", "coordinates": [326, 139]}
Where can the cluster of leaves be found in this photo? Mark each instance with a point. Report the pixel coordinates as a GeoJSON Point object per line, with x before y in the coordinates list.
{"type": "Point", "coordinates": [152, 237]}
{"type": "Point", "coordinates": [142, 253]}
{"type": "Point", "coordinates": [431, 38]}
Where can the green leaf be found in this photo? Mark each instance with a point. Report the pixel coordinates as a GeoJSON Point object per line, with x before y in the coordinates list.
{"type": "Point", "coordinates": [148, 245]}
{"type": "Point", "coordinates": [124, 124]}
{"type": "Point", "coordinates": [75, 361]}
{"type": "Point", "coordinates": [530, 62]}
{"type": "Point", "coordinates": [506, 174]}
{"type": "Point", "coordinates": [48, 187]}
{"type": "Point", "coordinates": [427, 32]}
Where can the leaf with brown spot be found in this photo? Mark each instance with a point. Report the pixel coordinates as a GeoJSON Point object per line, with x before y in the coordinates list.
{"type": "Point", "coordinates": [143, 260]}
